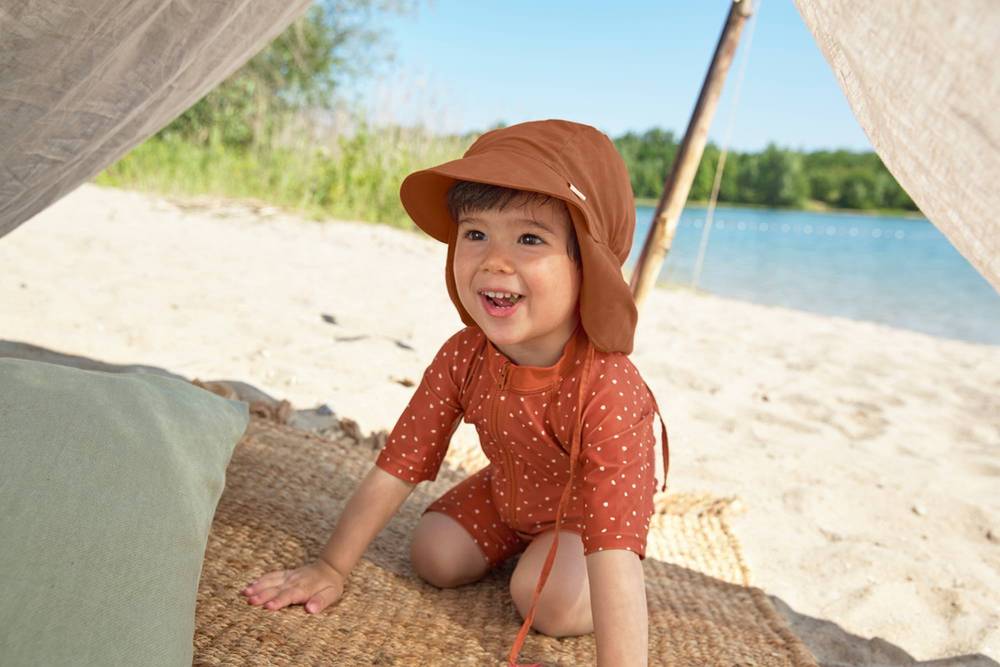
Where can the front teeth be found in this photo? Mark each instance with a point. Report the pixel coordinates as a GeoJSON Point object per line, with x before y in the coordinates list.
{"type": "Point", "coordinates": [502, 295]}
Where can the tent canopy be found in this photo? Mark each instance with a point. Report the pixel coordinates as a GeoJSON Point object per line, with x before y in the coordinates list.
{"type": "Point", "coordinates": [81, 84]}
{"type": "Point", "coordinates": [923, 82]}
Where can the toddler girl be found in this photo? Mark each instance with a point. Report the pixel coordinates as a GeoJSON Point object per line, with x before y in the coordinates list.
{"type": "Point", "coordinates": [538, 218]}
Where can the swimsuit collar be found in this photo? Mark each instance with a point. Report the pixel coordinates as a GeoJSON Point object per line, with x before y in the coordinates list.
{"type": "Point", "coordinates": [513, 377]}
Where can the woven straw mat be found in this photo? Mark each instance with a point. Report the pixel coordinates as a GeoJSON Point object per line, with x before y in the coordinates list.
{"type": "Point", "coordinates": [285, 489]}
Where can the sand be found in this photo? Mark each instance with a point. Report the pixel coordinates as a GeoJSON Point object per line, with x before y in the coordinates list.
{"type": "Point", "coordinates": [865, 458]}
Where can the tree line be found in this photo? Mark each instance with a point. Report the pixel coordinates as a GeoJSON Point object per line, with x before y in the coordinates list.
{"type": "Point", "coordinates": [772, 177]}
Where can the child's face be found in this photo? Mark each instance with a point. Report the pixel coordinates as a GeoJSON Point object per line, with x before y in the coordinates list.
{"type": "Point", "coordinates": [520, 250]}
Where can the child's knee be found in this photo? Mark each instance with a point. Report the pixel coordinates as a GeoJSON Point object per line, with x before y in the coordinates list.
{"type": "Point", "coordinates": [562, 611]}
{"type": "Point", "coordinates": [562, 622]}
{"type": "Point", "coordinates": [444, 557]}
{"type": "Point", "coordinates": [435, 571]}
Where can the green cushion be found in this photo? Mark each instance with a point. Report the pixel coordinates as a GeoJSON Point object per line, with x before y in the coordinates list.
{"type": "Point", "coordinates": [108, 486]}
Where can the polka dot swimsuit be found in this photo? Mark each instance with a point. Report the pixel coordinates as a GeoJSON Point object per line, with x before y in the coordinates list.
{"type": "Point", "coordinates": [525, 417]}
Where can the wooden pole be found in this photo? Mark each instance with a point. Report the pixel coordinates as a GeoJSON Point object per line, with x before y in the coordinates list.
{"type": "Point", "coordinates": [678, 184]}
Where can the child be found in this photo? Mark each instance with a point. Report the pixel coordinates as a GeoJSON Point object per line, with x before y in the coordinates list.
{"type": "Point", "coordinates": [538, 218]}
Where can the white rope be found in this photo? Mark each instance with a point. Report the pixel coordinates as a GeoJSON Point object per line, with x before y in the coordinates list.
{"type": "Point", "coordinates": [725, 149]}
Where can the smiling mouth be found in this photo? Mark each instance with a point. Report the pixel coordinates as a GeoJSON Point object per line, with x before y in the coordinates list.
{"type": "Point", "coordinates": [501, 299]}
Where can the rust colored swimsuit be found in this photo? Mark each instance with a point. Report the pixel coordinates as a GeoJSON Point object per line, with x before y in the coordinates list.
{"type": "Point", "coordinates": [525, 416]}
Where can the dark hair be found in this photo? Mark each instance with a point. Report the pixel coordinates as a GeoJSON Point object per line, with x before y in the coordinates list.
{"type": "Point", "coordinates": [472, 197]}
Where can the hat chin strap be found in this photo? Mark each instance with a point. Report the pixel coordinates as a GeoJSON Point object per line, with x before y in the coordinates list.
{"type": "Point", "coordinates": [563, 501]}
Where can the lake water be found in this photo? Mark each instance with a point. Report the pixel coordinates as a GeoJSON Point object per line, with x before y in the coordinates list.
{"type": "Point", "coordinates": [897, 271]}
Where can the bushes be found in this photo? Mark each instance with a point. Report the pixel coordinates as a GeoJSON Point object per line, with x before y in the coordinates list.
{"type": "Point", "coordinates": [354, 176]}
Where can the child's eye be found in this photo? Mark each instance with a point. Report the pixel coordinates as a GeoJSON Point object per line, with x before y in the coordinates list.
{"type": "Point", "coordinates": [531, 239]}
{"type": "Point", "coordinates": [474, 235]}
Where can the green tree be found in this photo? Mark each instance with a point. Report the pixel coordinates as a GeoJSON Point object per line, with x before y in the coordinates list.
{"type": "Point", "coordinates": [858, 190]}
{"type": "Point", "coordinates": [648, 158]}
{"type": "Point", "coordinates": [704, 177]}
{"type": "Point", "coordinates": [780, 180]}
{"type": "Point", "coordinates": [772, 177]}
{"type": "Point", "coordinates": [300, 70]}
{"type": "Point", "coordinates": [748, 180]}
{"type": "Point", "coordinates": [894, 196]}
{"type": "Point", "coordinates": [823, 186]}
{"type": "Point", "coordinates": [729, 188]}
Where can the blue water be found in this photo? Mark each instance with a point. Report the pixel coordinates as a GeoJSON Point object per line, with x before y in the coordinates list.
{"type": "Point", "coordinates": [900, 272]}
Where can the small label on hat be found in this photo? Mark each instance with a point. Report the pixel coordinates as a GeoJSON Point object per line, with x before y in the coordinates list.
{"type": "Point", "coordinates": [577, 192]}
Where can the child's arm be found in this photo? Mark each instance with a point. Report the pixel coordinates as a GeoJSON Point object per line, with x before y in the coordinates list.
{"type": "Point", "coordinates": [618, 606]}
{"type": "Point", "coordinates": [375, 501]}
{"type": "Point", "coordinates": [413, 453]}
{"type": "Point", "coordinates": [321, 583]}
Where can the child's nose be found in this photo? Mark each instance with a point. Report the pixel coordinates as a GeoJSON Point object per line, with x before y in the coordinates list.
{"type": "Point", "coordinates": [497, 260]}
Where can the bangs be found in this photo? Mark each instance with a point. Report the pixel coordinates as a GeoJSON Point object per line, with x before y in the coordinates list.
{"type": "Point", "coordinates": [471, 197]}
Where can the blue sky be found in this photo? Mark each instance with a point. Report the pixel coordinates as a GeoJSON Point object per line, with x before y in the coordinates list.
{"type": "Point", "coordinates": [618, 66]}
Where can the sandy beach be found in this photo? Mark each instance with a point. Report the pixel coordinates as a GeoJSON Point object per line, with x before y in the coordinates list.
{"type": "Point", "coordinates": [866, 459]}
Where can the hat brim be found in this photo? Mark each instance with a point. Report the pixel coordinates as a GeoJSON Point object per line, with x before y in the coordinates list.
{"type": "Point", "coordinates": [424, 192]}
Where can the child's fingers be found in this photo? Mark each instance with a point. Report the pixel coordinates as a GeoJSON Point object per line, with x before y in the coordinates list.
{"type": "Point", "coordinates": [266, 581]}
{"type": "Point", "coordinates": [286, 597]}
{"type": "Point", "coordinates": [264, 595]}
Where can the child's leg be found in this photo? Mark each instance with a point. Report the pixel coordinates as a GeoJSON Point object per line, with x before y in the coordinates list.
{"type": "Point", "coordinates": [444, 554]}
{"type": "Point", "coordinates": [563, 608]}
{"type": "Point", "coordinates": [461, 537]}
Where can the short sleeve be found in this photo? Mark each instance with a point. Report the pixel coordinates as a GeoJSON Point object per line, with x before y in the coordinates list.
{"type": "Point", "coordinates": [617, 458]}
{"type": "Point", "coordinates": [419, 441]}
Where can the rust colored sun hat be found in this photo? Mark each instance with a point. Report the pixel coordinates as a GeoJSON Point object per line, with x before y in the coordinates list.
{"type": "Point", "coordinates": [569, 161]}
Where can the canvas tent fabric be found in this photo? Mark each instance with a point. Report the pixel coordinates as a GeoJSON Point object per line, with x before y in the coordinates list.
{"type": "Point", "coordinates": [82, 83]}
{"type": "Point", "coordinates": [923, 82]}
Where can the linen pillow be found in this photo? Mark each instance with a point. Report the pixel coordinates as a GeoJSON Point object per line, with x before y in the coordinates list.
{"type": "Point", "coordinates": [108, 486]}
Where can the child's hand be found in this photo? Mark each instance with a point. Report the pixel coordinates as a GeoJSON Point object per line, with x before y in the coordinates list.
{"type": "Point", "coordinates": [316, 585]}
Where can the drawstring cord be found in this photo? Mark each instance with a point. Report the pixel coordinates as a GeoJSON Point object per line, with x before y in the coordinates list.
{"type": "Point", "coordinates": [550, 559]}
{"type": "Point", "coordinates": [663, 434]}
{"type": "Point", "coordinates": [573, 456]}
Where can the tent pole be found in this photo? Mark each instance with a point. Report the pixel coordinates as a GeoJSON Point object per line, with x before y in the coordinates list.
{"type": "Point", "coordinates": [678, 184]}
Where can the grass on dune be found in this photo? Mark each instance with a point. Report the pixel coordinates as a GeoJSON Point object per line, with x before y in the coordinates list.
{"type": "Point", "coordinates": [355, 177]}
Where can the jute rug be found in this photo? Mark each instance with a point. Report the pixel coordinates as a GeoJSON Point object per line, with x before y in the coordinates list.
{"type": "Point", "coordinates": [285, 489]}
